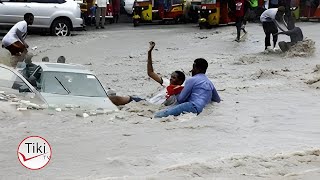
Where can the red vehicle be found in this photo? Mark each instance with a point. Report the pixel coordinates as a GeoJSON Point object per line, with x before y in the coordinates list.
{"type": "Point", "coordinates": [113, 11]}
{"type": "Point", "coordinates": [109, 13]}
{"type": "Point", "coordinates": [309, 10]}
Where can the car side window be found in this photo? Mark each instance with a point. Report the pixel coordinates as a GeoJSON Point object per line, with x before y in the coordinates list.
{"type": "Point", "coordinates": [12, 83]}
{"type": "Point", "coordinates": [37, 75]}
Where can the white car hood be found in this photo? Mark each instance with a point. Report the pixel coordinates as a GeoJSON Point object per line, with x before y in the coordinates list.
{"type": "Point", "coordinates": [82, 101]}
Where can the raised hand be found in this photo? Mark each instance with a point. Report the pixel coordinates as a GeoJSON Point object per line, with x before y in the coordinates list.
{"type": "Point", "coordinates": [152, 44]}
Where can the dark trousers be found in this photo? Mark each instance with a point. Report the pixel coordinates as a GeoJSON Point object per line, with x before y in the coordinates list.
{"type": "Point", "coordinates": [239, 22]}
{"type": "Point", "coordinates": [270, 28]}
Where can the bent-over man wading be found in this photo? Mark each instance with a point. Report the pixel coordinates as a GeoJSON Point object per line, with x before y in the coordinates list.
{"type": "Point", "coordinates": [270, 25]}
{"type": "Point", "coordinates": [14, 40]}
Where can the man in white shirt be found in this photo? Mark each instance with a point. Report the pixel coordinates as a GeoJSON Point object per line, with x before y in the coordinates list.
{"type": "Point", "coordinates": [101, 11]}
{"type": "Point", "coordinates": [14, 39]}
{"type": "Point", "coordinates": [269, 23]}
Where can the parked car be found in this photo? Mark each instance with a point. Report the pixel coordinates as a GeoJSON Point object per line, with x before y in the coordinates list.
{"type": "Point", "coordinates": [58, 16]}
{"type": "Point", "coordinates": [58, 84]}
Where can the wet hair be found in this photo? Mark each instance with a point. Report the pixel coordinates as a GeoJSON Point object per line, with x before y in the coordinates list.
{"type": "Point", "coordinates": [61, 59]}
{"type": "Point", "coordinates": [27, 16]}
{"type": "Point", "coordinates": [45, 59]}
{"type": "Point", "coordinates": [201, 64]}
{"type": "Point", "coordinates": [181, 76]}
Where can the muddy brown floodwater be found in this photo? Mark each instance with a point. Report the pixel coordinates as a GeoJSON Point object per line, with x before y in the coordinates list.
{"type": "Point", "coordinates": [267, 125]}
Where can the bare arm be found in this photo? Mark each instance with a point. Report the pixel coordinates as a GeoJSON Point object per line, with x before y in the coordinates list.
{"type": "Point", "coordinates": [288, 33]}
{"type": "Point", "coordinates": [151, 73]}
{"type": "Point", "coordinates": [277, 24]}
{"type": "Point", "coordinates": [21, 38]}
{"type": "Point", "coordinates": [285, 23]}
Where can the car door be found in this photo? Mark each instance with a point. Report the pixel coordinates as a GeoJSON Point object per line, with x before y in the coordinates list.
{"type": "Point", "coordinates": [13, 83]}
{"type": "Point", "coordinates": [43, 10]}
{"type": "Point", "coordinates": [12, 11]}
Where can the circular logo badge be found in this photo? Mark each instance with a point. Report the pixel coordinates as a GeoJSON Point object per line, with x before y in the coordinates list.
{"type": "Point", "coordinates": [34, 152]}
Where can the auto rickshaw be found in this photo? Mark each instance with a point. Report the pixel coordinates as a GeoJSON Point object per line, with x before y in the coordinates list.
{"type": "Point", "coordinates": [144, 11]}
{"type": "Point", "coordinates": [191, 8]}
{"type": "Point", "coordinates": [214, 13]}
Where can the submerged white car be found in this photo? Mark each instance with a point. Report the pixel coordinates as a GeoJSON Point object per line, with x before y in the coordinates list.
{"type": "Point", "coordinates": [58, 16]}
{"type": "Point", "coordinates": [58, 84]}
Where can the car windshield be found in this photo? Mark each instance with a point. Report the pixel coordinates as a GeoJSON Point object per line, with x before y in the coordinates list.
{"type": "Point", "coordinates": [68, 83]}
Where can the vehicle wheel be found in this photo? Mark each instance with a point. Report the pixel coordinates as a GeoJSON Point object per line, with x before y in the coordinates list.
{"type": "Point", "coordinates": [135, 23]}
{"type": "Point", "coordinates": [61, 27]}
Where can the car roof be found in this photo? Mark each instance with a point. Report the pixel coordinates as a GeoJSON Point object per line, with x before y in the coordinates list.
{"type": "Point", "coordinates": [62, 67]}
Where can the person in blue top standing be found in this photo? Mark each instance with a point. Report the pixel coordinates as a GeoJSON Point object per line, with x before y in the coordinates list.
{"type": "Point", "coordinates": [197, 93]}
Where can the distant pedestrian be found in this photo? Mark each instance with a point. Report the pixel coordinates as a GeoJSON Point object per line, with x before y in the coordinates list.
{"type": "Point", "coordinates": [61, 59]}
{"type": "Point", "coordinates": [239, 13]}
{"type": "Point", "coordinates": [101, 11]}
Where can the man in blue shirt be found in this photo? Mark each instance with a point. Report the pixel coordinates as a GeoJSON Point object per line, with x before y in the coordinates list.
{"type": "Point", "coordinates": [197, 93]}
